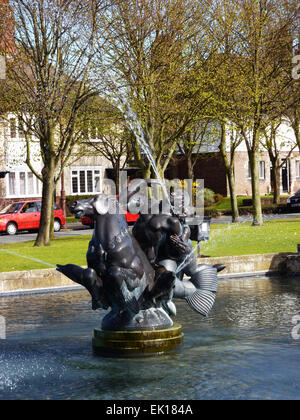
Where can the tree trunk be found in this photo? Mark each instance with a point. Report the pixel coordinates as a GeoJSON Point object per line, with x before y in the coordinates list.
{"type": "Point", "coordinates": [44, 235]}
{"type": "Point", "coordinates": [233, 199]}
{"type": "Point", "coordinates": [117, 177]}
{"type": "Point", "coordinates": [296, 125]}
{"type": "Point", "coordinates": [229, 167]}
{"type": "Point", "coordinates": [51, 228]}
{"type": "Point", "coordinates": [276, 179]}
{"type": "Point", "coordinates": [147, 171]}
{"type": "Point", "coordinates": [257, 209]}
{"type": "Point", "coordinates": [190, 170]}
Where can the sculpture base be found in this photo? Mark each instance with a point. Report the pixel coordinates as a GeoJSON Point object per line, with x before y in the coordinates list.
{"type": "Point", "coordinates": [146, 320]}
{"type": "Point", "coordinates": [137, 343]}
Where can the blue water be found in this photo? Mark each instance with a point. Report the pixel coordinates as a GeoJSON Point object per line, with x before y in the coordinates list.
{"type": "Point", "coordinates": [243, 350]}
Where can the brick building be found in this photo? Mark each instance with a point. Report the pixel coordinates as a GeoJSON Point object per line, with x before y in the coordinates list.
{"type": "Point", "coordinates": [210, 167]}
{"type": "Point", "coordinates": [84, 176]}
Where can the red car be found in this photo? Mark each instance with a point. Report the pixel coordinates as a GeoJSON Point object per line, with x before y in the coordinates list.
{"type": "Point", "coordinates": [130, 218]}
{"type": "Point", "coordinates": [26, 215]}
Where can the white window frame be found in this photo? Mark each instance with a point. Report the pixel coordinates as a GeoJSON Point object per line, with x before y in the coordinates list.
{"type": "Point", "coordinates": [18, 129]}
{"type": "Point", "coordinates": [37, 185]}
{"type": "Point", "coordinates": [297, 168]}
{"type": "Point", "coordinates": [262, 178]}
{"type": "Point", "coordinates": [96, 139]}
{"type": "Point", "coordinates": [78, 169]}
{"type": "Point", "coordinates": [13, 122]}
{"type": "Point", "coordinates": [88, 138]}
{"type": "Point", "coordinates": [249, 170]}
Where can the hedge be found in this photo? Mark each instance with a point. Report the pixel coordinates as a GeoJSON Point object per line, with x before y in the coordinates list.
{"type": "Point", "coordinates": [246, 210]}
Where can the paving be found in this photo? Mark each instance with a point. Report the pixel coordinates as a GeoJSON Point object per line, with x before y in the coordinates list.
{"type": "Point", "coordinates": [71, 230]}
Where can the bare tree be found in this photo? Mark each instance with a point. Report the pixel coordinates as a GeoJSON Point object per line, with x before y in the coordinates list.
{"type": "Point", "coordinates": [191, 143]}
{"type": "Point", "coordinates": [48, 83]}
{"type": "Point", "coordinates": [274, 143]}
{"type": "Point", "coordinates": [263, 31]}
{"type": "Point", "coordinates": [228, 153]}
{"type": "Point", "coordinates": [107, 135]}
{"type": "Point", "coordinates": [157, 53]}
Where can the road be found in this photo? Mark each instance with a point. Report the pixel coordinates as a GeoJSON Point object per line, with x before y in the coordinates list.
{"type": "Point", "coordinates": [75, 229]}
{"type": "Point", "coordinates": [243, 219]}
{"type": "Point", "coordinates": [72, 230]}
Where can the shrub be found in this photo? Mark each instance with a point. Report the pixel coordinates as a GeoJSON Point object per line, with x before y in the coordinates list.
{"type": "Point", "coordinates": [211, 211]}
{"type": "Point", "coordinates": [218, 198]}
{"type": "Point", "coordinates": [209, 197]}
{"type": "Point", "coordinates": [246, 210]}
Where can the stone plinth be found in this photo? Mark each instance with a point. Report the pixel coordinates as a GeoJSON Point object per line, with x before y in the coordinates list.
{"type": "Point", "coordinates": [137, 343]}
{"type": "Point", "coordinates": [250, 263]}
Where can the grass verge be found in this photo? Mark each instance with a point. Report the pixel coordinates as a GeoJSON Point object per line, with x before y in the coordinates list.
{"type": "Point", "coordinates": [225, 240]}
{"type": "Point", "coordinates": [243, 239]}
{"type": "Point", "coordinates": [62, 251]}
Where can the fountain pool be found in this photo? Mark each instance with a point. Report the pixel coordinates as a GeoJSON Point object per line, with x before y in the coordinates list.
{"type": "Point", "coordinates": [243, 350]}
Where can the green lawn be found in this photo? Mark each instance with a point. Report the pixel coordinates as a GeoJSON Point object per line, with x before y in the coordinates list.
{"type": "Point", "coordinates": [226, 240]}
{"type": "Point", "coordinates": [62, 251]}
{"type": "Point", "coordinates": [244, 239]}
{"type": "Point", "coordinates": [225, 203]}
{"type": "Point", "coordinates": [72, 219]}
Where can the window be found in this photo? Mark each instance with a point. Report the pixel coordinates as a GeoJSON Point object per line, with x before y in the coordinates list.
{"type": "Point", "coordinates": [82, 181]}
{"type": "Point", "coordinates": [30, 183]}
{"type": "Point", "coordinates": [13, 128]}
{"type": "Point", "coordinates": [86, 180]}
{"type": "Point", "coordinates": [92, 132]}
{"type": "Point", "coordinates": [97, 182]}
{"type": "Point", "coordinates": [12, 208]}
{"type": "Point", "coordinates": [30, 208]}
{"type": "Point", "coordinates": [262, 170]}
{"type": "Point", "coordinates": [23, 184]}
{"type": "Point", "coordinates": [298, 168]}
{"type": "Point", "coordinates": [21, 129]}
{"type": "Point", "coordinates": [16, 128]}
{"type": "Point", "coordinates": [12, 183]}
{"type": "Point", "coordinates": [74, 182]}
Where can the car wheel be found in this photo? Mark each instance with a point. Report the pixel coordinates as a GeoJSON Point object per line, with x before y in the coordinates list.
{"type": "Point", "coordinates": [11, 229]}
{"type": "Point", "coordinates": [57, 225]}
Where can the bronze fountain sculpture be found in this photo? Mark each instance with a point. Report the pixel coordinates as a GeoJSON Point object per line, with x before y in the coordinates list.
{"type": "Point", "coordinates": [138, 274]}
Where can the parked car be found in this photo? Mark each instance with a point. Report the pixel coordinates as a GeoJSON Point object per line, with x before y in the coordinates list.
{"type": "Point", "coordinates": [294, 201]}
{"type": "Point", "coordinates": [130, 218]}
{"type": "Point", "coordinates": [26, 215]}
